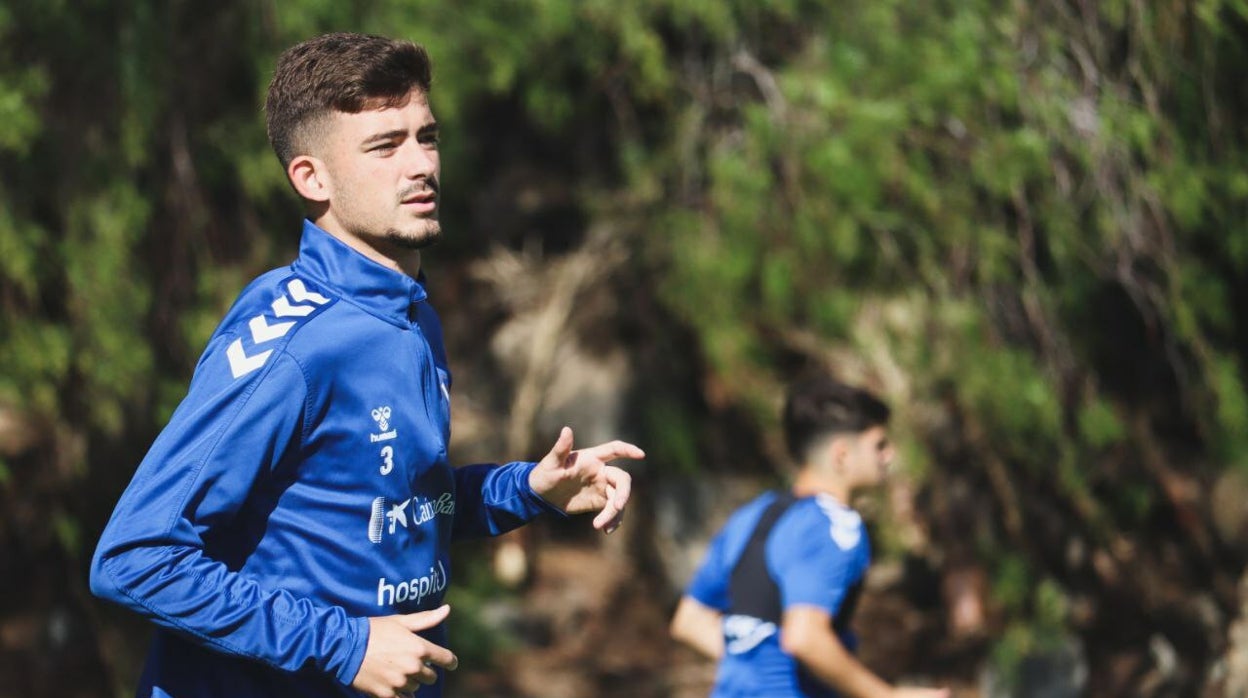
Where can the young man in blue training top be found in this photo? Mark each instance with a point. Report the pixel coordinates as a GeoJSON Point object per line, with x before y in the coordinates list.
{"type": "Point", "coordinates": [773, 599]}
{"type": "Point", "coordinates": [288, 531]}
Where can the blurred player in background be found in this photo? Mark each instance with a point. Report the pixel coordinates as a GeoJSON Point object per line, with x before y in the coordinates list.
{"type": "Point", "coordinates": [773, 600]}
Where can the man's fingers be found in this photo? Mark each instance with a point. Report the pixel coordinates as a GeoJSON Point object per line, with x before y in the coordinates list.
{"type": "Point", "coordinates": [441, 656]}
{"type": "Point", "coordinates": [427, 676]}
{"type": "Point", "coordinates": [563, 447]}
{"type": "Point", "coordinates": [619, 486]}
{"type": "Point", "coordinates": [423, 620]}
{"type": "Point", "coordinates": [606, 520]}
{"type": "Point", "coordinates": [616, 449]}
{"type": "Point", "coordinates": [434, 655]}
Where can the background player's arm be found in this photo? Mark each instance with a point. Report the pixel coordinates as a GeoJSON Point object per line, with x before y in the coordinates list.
{"type": "Point", "coordinates": [806, 633]}
{"type": "Point", "coordinates": [699, 626]}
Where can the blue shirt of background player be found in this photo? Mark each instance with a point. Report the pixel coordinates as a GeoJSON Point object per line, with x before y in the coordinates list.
{"type": "Point", "coordinates": [816, 553]}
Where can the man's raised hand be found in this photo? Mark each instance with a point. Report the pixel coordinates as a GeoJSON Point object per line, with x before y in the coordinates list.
{"type": "Point", "coordinates": [583, 481]}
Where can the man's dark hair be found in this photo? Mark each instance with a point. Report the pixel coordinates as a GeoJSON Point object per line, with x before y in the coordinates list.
{"type": "Point", "coordinates": [821, 406]}
{"type": "Point", "coordinates": [338, 72]}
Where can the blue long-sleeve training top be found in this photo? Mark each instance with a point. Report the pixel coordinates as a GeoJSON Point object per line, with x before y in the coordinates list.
{"type": "Point", "coordinates": [301, 487]}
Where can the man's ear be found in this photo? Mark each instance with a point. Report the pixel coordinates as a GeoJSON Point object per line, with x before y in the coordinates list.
{"type": "Point", "coordinates": [838, 450]}
{"type": "Point", "coordinates": [310, 178]}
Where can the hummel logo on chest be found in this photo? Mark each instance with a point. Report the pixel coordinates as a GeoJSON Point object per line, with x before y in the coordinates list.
{"type": "Point", "coordinates": [264, 331]}
{"type": "Point", "coordinates": [381, 415]}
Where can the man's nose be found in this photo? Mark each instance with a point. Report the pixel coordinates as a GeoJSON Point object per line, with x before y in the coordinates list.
{"type": "Point", "coordinates": [421, 162]}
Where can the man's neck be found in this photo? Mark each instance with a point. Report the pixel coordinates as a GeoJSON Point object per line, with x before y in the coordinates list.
{"type": "Point", "coordinates": [409, 264]}
{"type": "Point", "coordinates": [400, 259]}
{"type": "Point", "coordinates": [810, 483]}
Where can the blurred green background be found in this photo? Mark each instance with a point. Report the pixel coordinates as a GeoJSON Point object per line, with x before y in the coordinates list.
{"type": "Point", "coordinates": [1025, 224]}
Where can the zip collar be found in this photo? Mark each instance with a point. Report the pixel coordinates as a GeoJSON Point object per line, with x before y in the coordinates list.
{"type": "Point", "coordinates": [383, 292]}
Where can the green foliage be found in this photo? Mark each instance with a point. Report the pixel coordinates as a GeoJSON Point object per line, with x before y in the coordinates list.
{"type": "Point", "coordinates": [110, 353]}
{"type": "Point", "coordinates": [999, 173]}
{"type": "Point", "coordinates": [36, 356]}
{"type": "Point", "coordinates": [1099, 426]}
{"type": "Point", "coordinates": [1043, 634]}
{"type": "Point", "coordinates": [20, 244]}
{"type": "Point", "coordinates": [21, 123]}
{"type": "Point", "coordinates": [1027, 417]}
{"type": "Point", "coordinates": [1232, 408]}
{"type": "Point", "coordinates": [68, 532]}
{"type": "Point", "coordinates": [673, 436]}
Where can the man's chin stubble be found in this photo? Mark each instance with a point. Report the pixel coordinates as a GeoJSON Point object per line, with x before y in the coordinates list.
{"type": "Point", "coordinates": [418, 241]}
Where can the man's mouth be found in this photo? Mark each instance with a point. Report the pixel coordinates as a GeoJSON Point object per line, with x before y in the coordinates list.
{"type": "Point", "coordinates": [426, 200]}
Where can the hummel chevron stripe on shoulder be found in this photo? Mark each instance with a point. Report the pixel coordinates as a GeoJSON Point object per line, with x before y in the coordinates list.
{"type": "Point", "coordinates": [301, 293]}
{"type": "Point", "coordinates": [283, 308]}
{"type": "Point", "coordinates": [262, 331]}
{"type": "Point", "coordinates": [240, 363]}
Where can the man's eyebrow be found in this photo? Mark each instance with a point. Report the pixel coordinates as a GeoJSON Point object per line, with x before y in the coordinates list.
{"type": "Point", "coordinates": [392, 134]}
{"type": "Point", "coordinates": [385, 136]}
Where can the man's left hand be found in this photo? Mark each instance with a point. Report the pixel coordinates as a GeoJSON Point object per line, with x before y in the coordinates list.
{"type": "Point", "coordinates": [582, 481]}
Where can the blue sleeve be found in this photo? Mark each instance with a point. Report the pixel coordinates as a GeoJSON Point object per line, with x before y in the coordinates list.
{"type": "Point", "coordinates": [490, 499]}
{"type": "Point", "coordinates": [816, 560]}
{"type": "Point", "coordinates": [226, 435]}
{"type": "Point", "coordinates": [493, 499]}
{"type": "Point", "coordinates": [709, 585]}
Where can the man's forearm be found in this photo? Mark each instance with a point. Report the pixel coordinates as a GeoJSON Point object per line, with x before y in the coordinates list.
{"type": "Point", "coordinates": [203, 601]}
{"type": "Point", "coordinates": [699, 626]}
{"type": "Point", "coordinates": [807, 635]}
{"type": "Point", "coordinates": [493, 499]}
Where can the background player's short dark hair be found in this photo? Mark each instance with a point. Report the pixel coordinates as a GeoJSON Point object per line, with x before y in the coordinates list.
{"type": "Point", "coordinates": [338, 72]}
{"type": "Point", "coordinates": [821, 406]}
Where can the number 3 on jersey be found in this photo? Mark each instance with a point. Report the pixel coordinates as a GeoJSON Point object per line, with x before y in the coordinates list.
{"type": "Point", "coordinates": [387, 459]}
